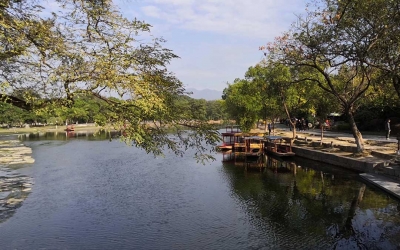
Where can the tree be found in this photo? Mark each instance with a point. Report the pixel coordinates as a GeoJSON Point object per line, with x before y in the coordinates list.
{"type": "Point", "coordinates": [89, 49]}
{"type": "Point", "coordinates": [332, 51]}
{"type": "Point", "coordinates": [271, 104]}
{"type": "Point", "coordinates": [216, 110]}
{"type": "Point", "coordinates": [243, 103]}
{"type": "Point", "coordinates": [294, 98]}
{"type": "Point", "coordinates": [377, 26]}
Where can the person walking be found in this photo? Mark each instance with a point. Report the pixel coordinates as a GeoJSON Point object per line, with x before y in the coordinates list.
{"type": "Point", "coordinates": [387, 128]}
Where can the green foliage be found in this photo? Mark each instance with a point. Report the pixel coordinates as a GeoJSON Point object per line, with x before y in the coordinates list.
{"type": "Point", "coordinates": [70, 64]}
{"type": "Point", "coordinates": [14, 116]}
{"type": "Point", "coordinates": [342, 127]}
{"type": "Point", "coordinates": [243, 103]}
{"type": "Point", "coordinates": [215, 110]}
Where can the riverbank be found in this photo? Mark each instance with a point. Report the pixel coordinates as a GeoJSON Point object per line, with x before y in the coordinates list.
{"type": "Point", "coordinates": [42, 129]}
{"type": "Point", "coordinates": [379, 164]}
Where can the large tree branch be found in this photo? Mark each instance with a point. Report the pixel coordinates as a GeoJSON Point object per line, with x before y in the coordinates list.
{"type": "Point", "coordinates": [15, 102]}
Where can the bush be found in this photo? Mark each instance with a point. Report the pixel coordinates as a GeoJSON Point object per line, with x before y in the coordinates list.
{"type": "Point", "coordinates": [395, 126]}
{"type": "Point", "coordinates": [373, 125]}
{"type": "Point", "coordinates": [341, 126]}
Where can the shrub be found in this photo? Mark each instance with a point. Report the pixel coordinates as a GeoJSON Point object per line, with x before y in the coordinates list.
{"type": "Point", "coordinates": [342, 126]}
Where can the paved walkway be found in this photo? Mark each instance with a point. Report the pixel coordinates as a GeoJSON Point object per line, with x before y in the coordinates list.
{"type": "Point", "coordinates": [372, 142]}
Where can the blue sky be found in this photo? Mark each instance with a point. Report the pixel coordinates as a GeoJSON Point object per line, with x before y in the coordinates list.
{"type": "Point", "coordinates": [216, 40]}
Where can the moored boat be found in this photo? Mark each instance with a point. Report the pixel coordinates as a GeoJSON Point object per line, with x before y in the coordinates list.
{"type": "Point", "coordinates": [278, 146]}
{"type": "Point", "coordinates": [229, 137]}
{"type": "Point", "coordinates": [69, 128]}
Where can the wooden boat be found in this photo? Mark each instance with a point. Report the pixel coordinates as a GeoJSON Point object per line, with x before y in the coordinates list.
{"type": "Point", "coordinates": [253, 147]}
{"type": "Point", "coordinates": [70, 128]}
{"type": "Point", "coordinates": [229, 137]}
{"type": "Point", "coordinates": [279, 146]}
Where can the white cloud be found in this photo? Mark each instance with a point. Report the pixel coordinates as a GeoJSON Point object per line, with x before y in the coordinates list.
{"type": "Point", "coordinates": [217, 40]}
{"type": "Point", "coordinates": [211, 64]}
{"type": "Point", "coordinates": [234, 17]}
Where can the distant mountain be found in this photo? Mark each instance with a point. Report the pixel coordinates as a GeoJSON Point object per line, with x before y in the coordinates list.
{"type": "Point", "coordinates": [207, 94]}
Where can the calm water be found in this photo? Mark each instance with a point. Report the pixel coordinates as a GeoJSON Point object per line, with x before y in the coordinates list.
{"type": "Point", "coordinates": [97, 194]}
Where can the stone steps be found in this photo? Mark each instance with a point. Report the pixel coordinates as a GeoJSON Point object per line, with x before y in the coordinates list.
{"type": "Point", "coordinates": [391, 170]}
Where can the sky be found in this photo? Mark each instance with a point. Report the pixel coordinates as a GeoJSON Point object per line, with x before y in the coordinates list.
{"type": "Point", "coordinates": [216, 40]}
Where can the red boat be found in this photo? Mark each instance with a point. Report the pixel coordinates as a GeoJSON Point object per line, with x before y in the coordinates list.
{"type": "Point", "coordinates": [70, 128]}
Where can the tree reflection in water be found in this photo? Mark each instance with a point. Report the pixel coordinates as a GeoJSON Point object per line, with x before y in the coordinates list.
{"type": "Point", "coordinates": [14, 189]}
{"type": "Point", "coordinates": [316, 205]}
{"type": "Point", "coordinates": [63, 135]}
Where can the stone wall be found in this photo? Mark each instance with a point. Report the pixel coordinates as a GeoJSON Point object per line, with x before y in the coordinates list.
{"type": "Point", "coordinates": [360, 165]}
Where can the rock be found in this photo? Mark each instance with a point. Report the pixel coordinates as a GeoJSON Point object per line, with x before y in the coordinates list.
{"type": "Point", "coordinates": [15, 194]}
{"type": "Point", "coordinates": [13, 201]}
{"type": "Point", "coordinates": [4, 195]}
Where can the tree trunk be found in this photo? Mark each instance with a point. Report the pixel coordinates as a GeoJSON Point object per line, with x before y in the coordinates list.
{"type": "Point", "coordinates": [265, 116]}
{"type": "Point", "coordinates": [293, 124]}
{"type": "Point", "coordinates": [348, 228]}
{"type": "Point", "coordinates": [273, 127]}
{"type": "Point", "coordinates": [294, 129]}
{"type": "Point", "coordinates": [396, 84]}
{"type": "Point", "coordinates": [266, 126]}
{"type": "Point", "coordinates": [322, 132]}
{"type": "Point", "coordinates": [356, 133]}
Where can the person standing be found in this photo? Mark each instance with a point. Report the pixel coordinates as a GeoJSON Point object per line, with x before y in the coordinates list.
{"type": "Point", "coordinates": [269, 128]}
{"type": "Point", "coordinates": [387, 128]}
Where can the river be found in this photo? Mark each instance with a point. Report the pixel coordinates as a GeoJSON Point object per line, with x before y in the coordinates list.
{"type": "Point", "coordinates": [90, 193]}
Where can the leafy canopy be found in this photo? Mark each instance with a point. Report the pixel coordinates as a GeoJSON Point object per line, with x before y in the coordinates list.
{"type": "Point", "coordinates": [90, 49]}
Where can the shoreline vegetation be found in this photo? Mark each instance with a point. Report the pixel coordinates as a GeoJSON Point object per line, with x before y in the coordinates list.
{"type": "Point", "coordinates": [49, 128]}
{"type": "Point", "coordinates": [343, 143]}
{"type": "Point", "coordinates": [92, 127]}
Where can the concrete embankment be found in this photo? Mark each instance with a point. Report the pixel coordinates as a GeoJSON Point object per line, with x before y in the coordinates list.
{"type": "Point", "coordinates": [342, 159]}
{"type": "Point", "coordinates": [389, 185]}
{"type": "Point", "coordinates": [380, 168]}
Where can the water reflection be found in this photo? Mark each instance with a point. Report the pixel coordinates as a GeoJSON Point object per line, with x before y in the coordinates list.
{"type": "Point", "coordinates": [14, 189]}
{"type": "Point", "coordinates": [88, 135]}
{"type": "Point", "coordinates": [317, 206]}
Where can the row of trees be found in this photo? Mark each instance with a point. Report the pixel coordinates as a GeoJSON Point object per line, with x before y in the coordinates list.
{"type": "Point", "coordinates": [87, 109]}
{"type": "Point", "coordinates": [341, 56]}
